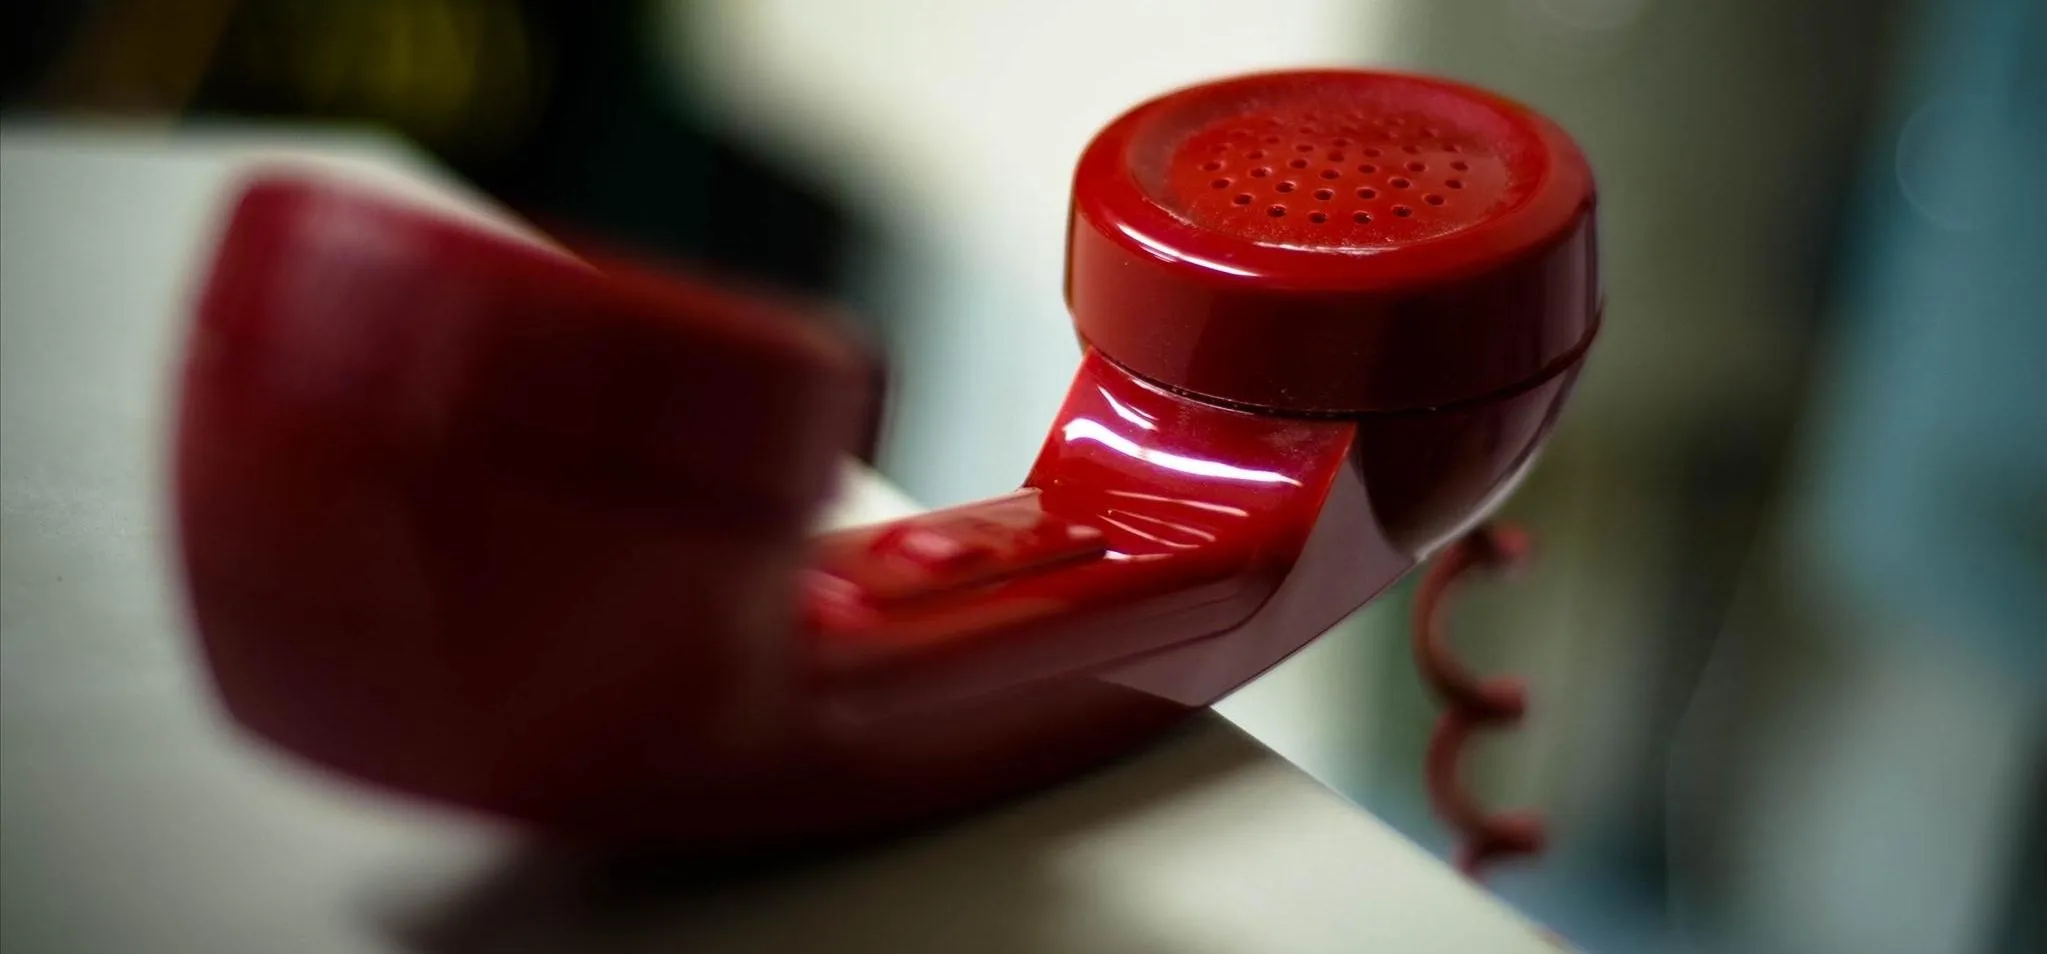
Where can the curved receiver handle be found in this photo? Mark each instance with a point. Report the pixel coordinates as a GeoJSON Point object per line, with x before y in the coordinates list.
{"type": "Point", "coordinates": [1150, 520]}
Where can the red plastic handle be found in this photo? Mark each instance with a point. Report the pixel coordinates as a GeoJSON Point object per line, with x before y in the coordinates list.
{"type": "Point", "coordinates": [1150, 522]}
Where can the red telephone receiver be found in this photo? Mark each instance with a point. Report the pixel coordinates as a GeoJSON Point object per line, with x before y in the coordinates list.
{"type": "Point", "coordinates": [470, 519]}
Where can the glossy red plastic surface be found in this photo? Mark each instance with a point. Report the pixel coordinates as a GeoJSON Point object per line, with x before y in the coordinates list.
{"type": "Point", "coordinates": [440, 490]}
{"type": "Point", "coordinates": [1334, 242]}
{"type": "Point", "coordinates": [466, 518]}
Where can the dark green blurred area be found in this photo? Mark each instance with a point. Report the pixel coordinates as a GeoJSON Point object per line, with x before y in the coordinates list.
{"type": "Point", "coordinates": [560, 110]}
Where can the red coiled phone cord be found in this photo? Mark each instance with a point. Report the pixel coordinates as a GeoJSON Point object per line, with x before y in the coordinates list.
{"type": "Point", "coordinates": [1471, 703]}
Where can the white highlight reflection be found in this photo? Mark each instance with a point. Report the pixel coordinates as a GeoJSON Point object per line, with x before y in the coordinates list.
{"type": "Point", "coordinates": [1084, 429]}
{"type": "Point", "coordinates": [1181, 502]}
{"type": "Point", "coordinates": [1153, 537]}
{"type": "Point", "coordinates": [1170, 254]}
{"type": "Point", "coordinates": [1127, 412]}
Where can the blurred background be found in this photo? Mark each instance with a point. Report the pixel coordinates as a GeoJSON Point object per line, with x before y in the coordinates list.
{"type": "Point", "coordinates": [1787, 631]}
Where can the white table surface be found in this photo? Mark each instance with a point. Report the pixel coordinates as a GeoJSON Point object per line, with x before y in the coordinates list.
{"type": "Point", "coordinates": [134, 819]}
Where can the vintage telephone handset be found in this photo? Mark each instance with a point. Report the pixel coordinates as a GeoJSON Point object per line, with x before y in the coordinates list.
{"type": "Point", "coordinates": [471, 519]}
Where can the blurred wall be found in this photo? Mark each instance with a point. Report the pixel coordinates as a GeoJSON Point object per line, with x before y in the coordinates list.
{"type": "Point", "coordinates": [1866, 764]}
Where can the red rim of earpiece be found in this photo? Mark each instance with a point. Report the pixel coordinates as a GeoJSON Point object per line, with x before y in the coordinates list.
{"type": "Point", "coordinates": [1334, 241]}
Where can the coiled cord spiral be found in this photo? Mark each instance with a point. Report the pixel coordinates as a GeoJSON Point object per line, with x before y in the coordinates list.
{"type": "Point", "coordinates": [1471, 703]}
